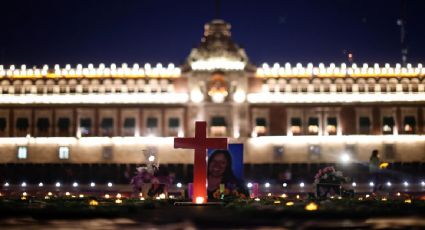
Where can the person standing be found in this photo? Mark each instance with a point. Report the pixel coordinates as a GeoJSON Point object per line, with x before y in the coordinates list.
{"type": "Point", "coordinates": [374, 170]}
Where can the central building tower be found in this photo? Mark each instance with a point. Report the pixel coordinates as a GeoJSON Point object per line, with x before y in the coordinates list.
{"type": "Point", "coordinates": [217, 72]}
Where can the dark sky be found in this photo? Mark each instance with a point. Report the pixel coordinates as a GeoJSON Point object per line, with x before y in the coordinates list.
{"type": "Point", "coordinates": [87, 31]}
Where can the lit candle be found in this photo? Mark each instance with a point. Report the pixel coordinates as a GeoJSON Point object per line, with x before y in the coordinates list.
{"type": "Point", "coordinates": [221, 191]}
{"type": "Point", "coordinates": [221, 188]}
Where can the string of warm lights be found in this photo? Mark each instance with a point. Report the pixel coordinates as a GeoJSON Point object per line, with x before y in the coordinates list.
{"type": "Point", "coordinates": [343, 70]}
{"type": "Point", "coordinates": [334, 97]}
{"type": "Point", "coordinates": [297, 198]}
{"type": "Point", "coordinates": [218, 63]}
{"type": "Point", "coordinates": [249, 185]}
{"type": "Point", "coordinates": [353, 184]}
{"type": "Point", "coordinates": [90, 71]}
{"type": "Point", "coordinates": [104, 98]}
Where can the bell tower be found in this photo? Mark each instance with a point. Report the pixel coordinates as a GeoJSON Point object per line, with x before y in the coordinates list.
{"type": "Point", "coordinates": [217, 71]}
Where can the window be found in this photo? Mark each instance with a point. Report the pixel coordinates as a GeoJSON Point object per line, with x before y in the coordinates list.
{"type": "Point", "coordinates": [22, 124]}
{"type": "Point", "coordinates": [40, 90]}
{"type": "Point", "coordinates": [85, 127]}
{"type": "Point", "coordinates": [85, 89]}
{"type": "Point", "coordinates": [361, 88]}
{"type": "Point", "coordinates": [295, 126]}
{"type": "Point", "coordinates": [3, 124]}
{"type": "Point", "coordinates": [388, 125]}
{"type": "Point", "coordinates": [152, 122]}
{"type": "Point", "coordinates": [409, 124]}
{"type": "Point", "coordinates": [405, 87]}
{"type": "Point", "coordinates": [326, 88]}
{"type": "Point", "coordinates": [62, 89]}
{"type": "Point", "coordinates": [129, 126]}
{"type": "Point", "coordinates": [383, 88]}
{"type": "Point", "coordinates": [64, 152]}
{"type": "Point", "coordinates": [313, 125]}
{"type": "Point", "coordinates": [152, 125]}
{"type": "Point", "coordinates": [415, 88]}
{"type": "Point", "coordinates": [331, 127]}
{"type": "Point", "coordinates": [364, 125]}
{"type": "Point", "coordinates": [260, 126]}
{"type": "Point", "coordinates": [173, 122]}
{"type": "Point", "coordinates": [22, 152]}
{"type": "Point", "coordinates": [107, 125]}
{"type": "Point", "coordinates": [43, 125]}
{"type": "Point", "coordinates": [27, 90]}
{"type": "Point", "coordinates": [282, 88]}
{"type": "Point", "coordinates": [63, 126]}
{"type": "Point", "coordinates": [164, 85]}
{"type": "Point", "coordinates": [17, 89]}
{"type": "Point", "coordinates": [218, 126]}
{"type": "Point", "coordinates": [72, 89]}
{"type": "Point", "coordinates": [173, 126]}
{"type": "Point", "coordinates": [349, 88]}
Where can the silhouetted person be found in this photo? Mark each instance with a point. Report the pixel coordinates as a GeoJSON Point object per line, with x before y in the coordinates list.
{"type": "Point", "coordinates": [374, 170]}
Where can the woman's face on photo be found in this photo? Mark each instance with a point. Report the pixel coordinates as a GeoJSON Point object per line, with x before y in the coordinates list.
{"type": "Point", "coordinates": [218, 165]}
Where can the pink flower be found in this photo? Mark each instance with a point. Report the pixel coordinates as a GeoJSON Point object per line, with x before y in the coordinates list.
{"type": "Point", "coordinates": [328, 169]}
{"type": "Point", "coordinates": [322, 173]}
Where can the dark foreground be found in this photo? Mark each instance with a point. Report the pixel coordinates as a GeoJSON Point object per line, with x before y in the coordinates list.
{"type": "Point", "coordinates": [275, 213]}
{"type": "Point", "coordinates": [127, 223]}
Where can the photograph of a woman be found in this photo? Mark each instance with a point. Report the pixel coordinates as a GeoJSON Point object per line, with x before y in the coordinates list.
{"type": "Point", "coordinates": [220, 173]}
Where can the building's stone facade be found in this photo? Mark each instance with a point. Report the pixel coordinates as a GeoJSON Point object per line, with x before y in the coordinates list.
{"type": "Point", "coordinates": [288, 114]}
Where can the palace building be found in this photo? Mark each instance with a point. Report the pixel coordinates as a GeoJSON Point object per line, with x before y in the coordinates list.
{"type": "Point", "coordinates": [105, 117]}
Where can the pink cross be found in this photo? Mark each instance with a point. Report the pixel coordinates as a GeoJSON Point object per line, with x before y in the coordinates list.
{"type": "Point", "coordinates": [200, 143]}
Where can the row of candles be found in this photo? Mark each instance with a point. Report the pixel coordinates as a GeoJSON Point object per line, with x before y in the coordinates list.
{"type": "Point", "coordinates": [278, 200]}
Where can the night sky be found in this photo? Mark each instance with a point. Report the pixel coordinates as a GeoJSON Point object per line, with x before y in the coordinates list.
{"type": "Point", "coordinates": [87, 31]}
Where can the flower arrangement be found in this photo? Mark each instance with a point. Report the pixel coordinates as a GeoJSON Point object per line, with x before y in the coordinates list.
{"type": "Point", "coordinates": [329, 175]}
{"type": "Point", "coordinates": [142, 176]}
{"type": "Point", "coordinates": [149, 180]}
{"type": "Point", "coordinates": [229, 191]}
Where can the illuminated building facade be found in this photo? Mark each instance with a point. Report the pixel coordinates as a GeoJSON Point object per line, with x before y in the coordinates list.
{"type": "Point", "coordinates": [285, 114]}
